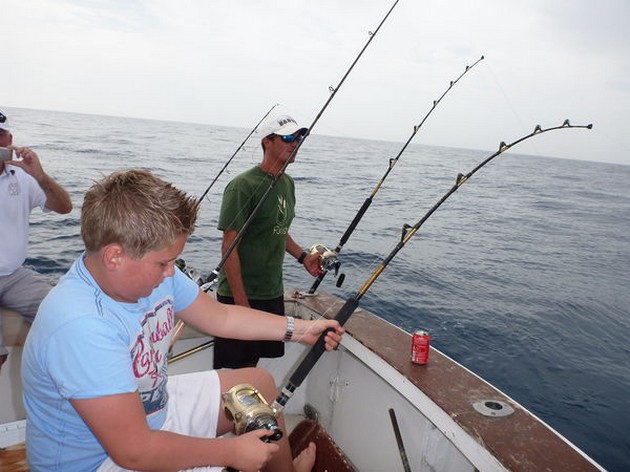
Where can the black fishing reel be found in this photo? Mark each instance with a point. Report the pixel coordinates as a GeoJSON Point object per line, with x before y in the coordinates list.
{"type": "Point", "coordinates": [328, 261]}
{"type": "Point", "coordinates": [244, 405]}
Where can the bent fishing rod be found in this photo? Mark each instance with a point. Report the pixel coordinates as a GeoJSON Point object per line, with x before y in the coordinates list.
{"type": "Point", "coordinates": [333, 91]}
{"type": "Point", "coordinates": [368, 200]}
{"type": "Point", "coordinates": [352, 303]}
{"type": "Point", "coordinates": [235, 153]}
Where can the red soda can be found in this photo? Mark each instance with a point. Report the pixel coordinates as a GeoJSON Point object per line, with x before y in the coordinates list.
{"type": "Point", "coordinates": [420, 347]}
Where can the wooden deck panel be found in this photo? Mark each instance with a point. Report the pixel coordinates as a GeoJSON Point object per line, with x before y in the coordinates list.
{"type": "Point", "coordinates": [13, 459]}
{"type": "Point", "coordinates": [14, 328]}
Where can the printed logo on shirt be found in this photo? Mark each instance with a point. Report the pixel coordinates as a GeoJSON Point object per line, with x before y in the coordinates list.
{"type": "Point", "coordinates": [149, 355]}
{"type": "Point", "coordinates": [282, 217]}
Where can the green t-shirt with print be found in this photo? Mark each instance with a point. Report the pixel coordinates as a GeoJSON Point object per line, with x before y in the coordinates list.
{"type": "Point", "coordinates": [261, 250]}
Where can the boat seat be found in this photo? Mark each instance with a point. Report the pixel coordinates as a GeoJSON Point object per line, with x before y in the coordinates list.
{"type": "Point", "coordinates": [14, 328]}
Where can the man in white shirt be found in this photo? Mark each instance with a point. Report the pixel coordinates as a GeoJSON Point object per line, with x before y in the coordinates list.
{"type": "Point", "coordinates": [24, 185]}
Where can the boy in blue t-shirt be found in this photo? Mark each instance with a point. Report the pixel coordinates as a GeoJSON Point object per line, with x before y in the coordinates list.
{"type": "Point", "coordinates": [96, 388]}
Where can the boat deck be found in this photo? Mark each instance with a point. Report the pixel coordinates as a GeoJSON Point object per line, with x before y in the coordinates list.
{"type": "Point", "coordinates": [301, 432]}
{"type": "Point", "coordinates": [519, 441]}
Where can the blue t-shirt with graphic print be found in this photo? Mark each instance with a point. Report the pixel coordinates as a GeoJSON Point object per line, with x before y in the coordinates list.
{"type": "Point", "coordinates": [83, 344]}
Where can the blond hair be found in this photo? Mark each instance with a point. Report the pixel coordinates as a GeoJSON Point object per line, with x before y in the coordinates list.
{"type": "Point", "coordinates": [137, 210]}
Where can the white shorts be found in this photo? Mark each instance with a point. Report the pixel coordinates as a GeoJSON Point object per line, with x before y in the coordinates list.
{"type": "Point", "coordinates": [193, 410]}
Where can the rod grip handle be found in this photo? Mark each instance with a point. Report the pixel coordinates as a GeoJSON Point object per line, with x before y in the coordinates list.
{"type": "Point", "coordinates": [319, 347]}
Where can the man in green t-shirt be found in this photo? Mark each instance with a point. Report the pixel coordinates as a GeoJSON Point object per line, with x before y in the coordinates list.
{"type": "Point", "coordinates": [252, 274]}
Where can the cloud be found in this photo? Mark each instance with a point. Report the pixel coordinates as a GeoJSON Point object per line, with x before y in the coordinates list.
{"type": "Point", "coordinates": [225, 63]}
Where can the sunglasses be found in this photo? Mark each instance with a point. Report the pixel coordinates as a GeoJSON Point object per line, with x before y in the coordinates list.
{"type": "Point", "coordinates": [289, 138]}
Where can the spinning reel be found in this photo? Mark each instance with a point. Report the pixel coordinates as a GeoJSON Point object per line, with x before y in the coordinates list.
{"type": "Point", "coordinates": [328, 260]}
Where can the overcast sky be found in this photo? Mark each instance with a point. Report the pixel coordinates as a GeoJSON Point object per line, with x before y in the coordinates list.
{"type": "Point", "coordinates": [227, 62]}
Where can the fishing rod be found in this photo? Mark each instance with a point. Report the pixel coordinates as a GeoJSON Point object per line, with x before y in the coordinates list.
{"type": "Point", "coordinates": [368, 201]}
{"type": "Point", "coordinates": [235, 153]}
{"type": "Point", "coordinates": [352, 303]}
{"type": "Point", "coordinates": [191, 271]}
{"type": "Point", "coordinates": [333, 91]}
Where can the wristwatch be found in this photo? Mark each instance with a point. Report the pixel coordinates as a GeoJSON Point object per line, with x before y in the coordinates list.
{"type": "Point", "coordinates": [302, 257]}
{"type": "Point", "coordinates": [290, 327]}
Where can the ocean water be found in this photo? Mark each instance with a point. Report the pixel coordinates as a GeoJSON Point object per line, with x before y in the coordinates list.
{"type": "Point", "coordinates": [523, 275]}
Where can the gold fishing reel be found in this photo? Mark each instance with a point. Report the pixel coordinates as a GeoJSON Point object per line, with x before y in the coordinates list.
{"type": "Point", "coordinates": [246, 407]}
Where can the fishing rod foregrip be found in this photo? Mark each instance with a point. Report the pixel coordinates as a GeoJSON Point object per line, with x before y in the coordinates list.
{"type": "Point", "coordinates": [355, 222]}
{"type": "Point", "coordinates": [316, 351]}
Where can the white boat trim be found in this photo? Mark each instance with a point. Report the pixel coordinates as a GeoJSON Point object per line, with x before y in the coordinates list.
{"type": "Point", "coordinates": [12, 433]}
{"type": "Point", "coordinates": [470, 448]}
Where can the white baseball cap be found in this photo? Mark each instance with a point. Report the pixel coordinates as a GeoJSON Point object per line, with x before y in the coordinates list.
{"type": "Point", "coordinates": [282, 125]}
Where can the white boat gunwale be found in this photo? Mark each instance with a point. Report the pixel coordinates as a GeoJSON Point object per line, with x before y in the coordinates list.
{"type": "Point", "coordinates": [446, 391]}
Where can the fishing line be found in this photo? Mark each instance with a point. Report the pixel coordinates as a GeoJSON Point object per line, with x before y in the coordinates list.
{"type": "Point", "coordinates": [508, 102]}
{"type": "Point", "coordinates": [408, 231]}
{"type": "Point", "coordinates": [505, 96]}
{"type": "Point", "coordinates": [333, 91]}
{"type": "Point", "coordinates": [392, 163]}
{"type": "Point", "coordinates": [235, 153]}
